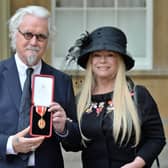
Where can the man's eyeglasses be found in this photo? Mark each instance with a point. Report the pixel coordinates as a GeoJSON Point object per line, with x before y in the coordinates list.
{"type": "Point", "coordinates": [29, 36]}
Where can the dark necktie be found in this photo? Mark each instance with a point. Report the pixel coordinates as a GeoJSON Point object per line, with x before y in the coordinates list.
{"type": "Point", "coordinates": [25, 102]}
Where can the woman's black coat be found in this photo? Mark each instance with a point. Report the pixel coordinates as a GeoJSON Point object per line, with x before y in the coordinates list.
{"type": "Point", "coordinates": [102, 152]}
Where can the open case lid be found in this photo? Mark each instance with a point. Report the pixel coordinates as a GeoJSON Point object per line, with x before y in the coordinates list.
{"type": "Point", "coordinates": [42, 90]}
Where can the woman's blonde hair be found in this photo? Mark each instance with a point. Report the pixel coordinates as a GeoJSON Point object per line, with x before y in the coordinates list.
{"type": "Point", "coordinates": [85, 94]}
{"type": "Point", "coordinates": [125, 114]}
{"type": "Point", "coordinates": [125, 119]}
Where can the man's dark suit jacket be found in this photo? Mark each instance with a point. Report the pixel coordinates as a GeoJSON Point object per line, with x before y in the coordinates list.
{"type": "Point", "coordinates": [48, 155]}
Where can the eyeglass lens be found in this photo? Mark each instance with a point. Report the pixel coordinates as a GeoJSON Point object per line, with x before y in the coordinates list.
{"type": "Point", "coordinates": [29, 36]}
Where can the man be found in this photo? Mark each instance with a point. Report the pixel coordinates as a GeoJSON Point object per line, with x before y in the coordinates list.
{"type": "Point", "coordinates": [30, 31]}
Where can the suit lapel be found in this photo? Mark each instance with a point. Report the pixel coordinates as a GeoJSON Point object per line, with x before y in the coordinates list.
{"type": "Point", "coordinates": [12, 81]}
{"type": "Point", "coordinates": [45, 69]}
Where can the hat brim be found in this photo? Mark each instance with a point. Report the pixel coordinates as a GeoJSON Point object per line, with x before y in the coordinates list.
{"type": "Point", "coordinates": [128, 60]}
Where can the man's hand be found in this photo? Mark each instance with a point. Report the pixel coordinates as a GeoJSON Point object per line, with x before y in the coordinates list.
{"type": "Point", "coordinates": [58, 117]}
{"type": "Point", "coordinates": [22, 144]}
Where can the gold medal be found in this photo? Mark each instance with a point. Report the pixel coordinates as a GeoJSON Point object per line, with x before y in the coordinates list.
{"type": "Point", "coordinates": [41, 110]}
{"type": "Point", "coordinates": [41, 123]}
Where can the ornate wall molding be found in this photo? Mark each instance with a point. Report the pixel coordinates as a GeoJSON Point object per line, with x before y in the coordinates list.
{"type": "Point", "coordinates": [4, 40]}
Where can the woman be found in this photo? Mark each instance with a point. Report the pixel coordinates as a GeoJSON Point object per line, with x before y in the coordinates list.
{"type": "Point", "coordinates": [120, 124]}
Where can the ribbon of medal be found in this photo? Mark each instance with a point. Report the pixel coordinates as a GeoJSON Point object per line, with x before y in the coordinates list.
{"type": "Point", "coordinates": [41, 110]}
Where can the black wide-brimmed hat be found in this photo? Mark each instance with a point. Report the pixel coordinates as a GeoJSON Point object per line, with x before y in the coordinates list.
{"type": "Point", "coordinates": [105, 38]}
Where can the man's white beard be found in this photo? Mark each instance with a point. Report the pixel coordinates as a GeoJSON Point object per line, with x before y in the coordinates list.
{"type": "Point", "coordinates": [31, 60]}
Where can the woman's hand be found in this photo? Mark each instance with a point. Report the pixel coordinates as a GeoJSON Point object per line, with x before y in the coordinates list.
{"type": "Point", "coordinates": [137, 163]}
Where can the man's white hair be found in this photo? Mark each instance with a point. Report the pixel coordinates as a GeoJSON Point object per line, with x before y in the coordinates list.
{"type": "Point", "coordinates": [17, 18]}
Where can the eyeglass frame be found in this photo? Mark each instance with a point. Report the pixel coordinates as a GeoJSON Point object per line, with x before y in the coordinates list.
{"type": "Point", "coordinates": [30, 35]}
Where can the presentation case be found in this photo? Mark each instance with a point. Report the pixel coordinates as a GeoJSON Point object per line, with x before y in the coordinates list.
{"type": "Point", "coordinates": [42, 96]}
